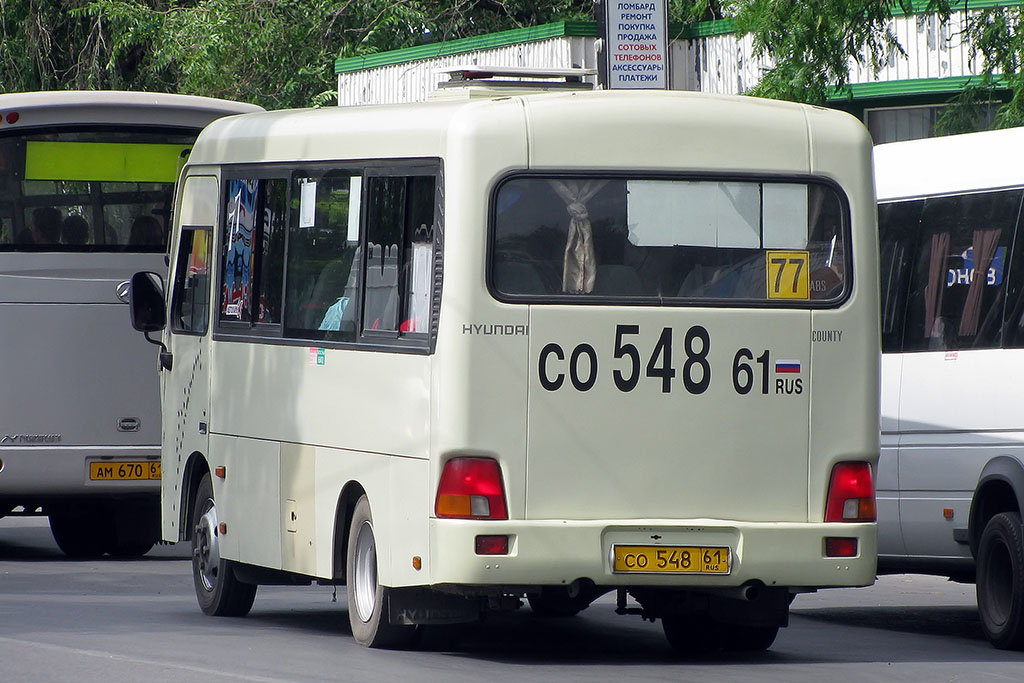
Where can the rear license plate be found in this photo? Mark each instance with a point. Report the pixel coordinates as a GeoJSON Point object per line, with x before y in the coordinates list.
{"type": "Point", "coordinates": [671, 559]}
{"type": "Point", "coordinates": [124, 471]}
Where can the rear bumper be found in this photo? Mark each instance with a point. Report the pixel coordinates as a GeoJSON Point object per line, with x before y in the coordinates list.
{"type": "Point", "coordinates": [556, 553]}
{"type": "Point", "coordinates": [45, 472]}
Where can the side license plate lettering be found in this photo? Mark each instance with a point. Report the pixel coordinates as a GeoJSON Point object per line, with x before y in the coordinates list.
{"type": "Point", "coordinates": [124, 471]}
{"type": "Point", "coordinates": [664, 559]}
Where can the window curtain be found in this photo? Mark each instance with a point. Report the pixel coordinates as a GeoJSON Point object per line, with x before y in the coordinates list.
{"type": "Point", "coordinates": [936, 284]}
{"type": "Point", "coordinates": [984, 246]}
{"type": "Point", "coordinates": [580, 264]}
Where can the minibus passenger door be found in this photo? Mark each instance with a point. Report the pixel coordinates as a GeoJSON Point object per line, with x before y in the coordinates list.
{"type": "Point", "coordinates": [186, 387]}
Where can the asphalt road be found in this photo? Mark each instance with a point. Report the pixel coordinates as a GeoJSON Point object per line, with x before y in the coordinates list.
{"type": "Point", "coordinates": [137, 620]}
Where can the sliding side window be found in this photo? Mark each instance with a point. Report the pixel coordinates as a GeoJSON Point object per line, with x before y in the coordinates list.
{"type": "Point", "coordinates": [255, 215]}
{"type": "Point", "coordinates": [323, 256]}
{"type": "Point", "coordinates": [400, 254]}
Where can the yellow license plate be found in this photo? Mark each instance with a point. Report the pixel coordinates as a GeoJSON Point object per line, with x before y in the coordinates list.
{"type": "Point", "coordinates": [113, 470]}
{"type": "Point", "coordinates": [671, 559]}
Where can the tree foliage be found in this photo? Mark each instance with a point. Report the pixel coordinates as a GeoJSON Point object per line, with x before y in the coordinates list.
{"type": "Point", "coordinates": [996, 37]}
{"type": "Point", "coordinates": [277, 53]}
{"type": "Point", "coordinates": [812, 42]}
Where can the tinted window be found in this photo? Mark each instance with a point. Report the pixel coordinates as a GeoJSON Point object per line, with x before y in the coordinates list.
{"type": "Point", "coordinates": [958, 283]}
{"type": "Point", "coordinates": [898, 225]}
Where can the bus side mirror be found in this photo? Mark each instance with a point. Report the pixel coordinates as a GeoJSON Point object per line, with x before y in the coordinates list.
{"type": "Point", "coordinates": [146, 302]}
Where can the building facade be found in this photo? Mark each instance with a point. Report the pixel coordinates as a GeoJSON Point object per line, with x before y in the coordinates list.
{"type": "Point", "coordinates": [901, 102]}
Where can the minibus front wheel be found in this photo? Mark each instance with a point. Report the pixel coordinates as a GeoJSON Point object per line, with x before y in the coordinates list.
{"type": "Point", "coordinates": [218, 590]}
{"type": "Point", "coordinates": [1001, 581]}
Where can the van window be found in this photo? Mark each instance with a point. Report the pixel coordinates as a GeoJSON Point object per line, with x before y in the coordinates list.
{"type": "Point", "coordinates": [958, 282]}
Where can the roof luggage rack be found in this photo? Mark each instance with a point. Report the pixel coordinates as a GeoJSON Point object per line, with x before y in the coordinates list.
{"type": "Point", "coordinates": [490, 81]}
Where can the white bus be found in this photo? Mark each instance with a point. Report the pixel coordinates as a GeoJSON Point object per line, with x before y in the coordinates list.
{"type": "Point", "coordinates": [951, 474]}
{"type": "Point", "coordinates": [458, 353]}
{"type": "Point", "coordinates": [86, 189]}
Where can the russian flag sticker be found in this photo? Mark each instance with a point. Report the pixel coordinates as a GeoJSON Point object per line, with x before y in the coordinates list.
{"type": "Point", "coordinates": [787, 367]}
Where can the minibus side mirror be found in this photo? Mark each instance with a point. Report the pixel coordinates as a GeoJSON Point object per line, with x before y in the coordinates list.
{"type": "Point", "coordinates": [146, 302]}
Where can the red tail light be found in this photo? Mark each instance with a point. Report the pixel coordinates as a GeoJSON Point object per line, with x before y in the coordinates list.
{"type": "Point", "coordinates": [840, 547]}
{"type": "Point", "coordinates": [471, 488]}
{"type": "Point", "coordinates": [851, 493]}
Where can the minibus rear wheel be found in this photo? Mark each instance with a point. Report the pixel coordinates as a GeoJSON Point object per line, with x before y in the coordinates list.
{"type": "Point", "coordinates": [367, 599]}
{"type": "Point", "coordinates": [219, 592]}
{"type": "Point", "coordinates": [1001, 581]}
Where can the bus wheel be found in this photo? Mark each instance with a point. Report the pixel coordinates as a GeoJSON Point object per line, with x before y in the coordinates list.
{"type": "Point", "coordinates": [692, 634]}
{"type": "Point", "coordinates": [220, 594]}
{"type": "Point", "coordinates": [740, 638]}
{"type": "Point", "coordinates": [367, 599]}
{"type": "Point", "coordinates": [81, 531]}
{"type": "Point", "coordinates": [1001, 581]}
{"type": "Point", "coordinates": [136, 529]}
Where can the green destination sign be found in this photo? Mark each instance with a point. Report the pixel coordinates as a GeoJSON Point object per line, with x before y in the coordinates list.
{"type": "Point", "coordinates": [104, 161]}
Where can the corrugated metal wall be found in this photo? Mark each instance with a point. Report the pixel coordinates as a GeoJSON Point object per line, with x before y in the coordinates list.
{"type": "Point", "coordinates": [720, 64]}
{"type": "Point", "coordinates": [413, 81]}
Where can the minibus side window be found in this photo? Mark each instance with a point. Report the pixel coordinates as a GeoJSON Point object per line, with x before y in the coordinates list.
{"type": "Point", "coordinates": [400, 256]}
{"type": "Point", "coordinates": [323, 257]}
{"type": "Point", "coordinates": [240, 217]}
{"type": "Point", "coordinates": [959, 281]}
{"type": "Point", "coordinates": [255, 216]}
{"type": "Point", "coordinates": [897, 228]}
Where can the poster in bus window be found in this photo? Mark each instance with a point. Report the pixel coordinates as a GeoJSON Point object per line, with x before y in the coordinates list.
{"type": "Point", "coordinates": [197, 262]}
{"type": "Point", "coordinates": [239, 224]}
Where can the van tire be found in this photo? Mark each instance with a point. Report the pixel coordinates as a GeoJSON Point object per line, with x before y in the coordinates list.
{"type": "Point", "coordinates": [219, 592]}
{"type": "Point", "coordinates": [1000, 586]}
{"type": "Point", "coordinates": [367, 599]}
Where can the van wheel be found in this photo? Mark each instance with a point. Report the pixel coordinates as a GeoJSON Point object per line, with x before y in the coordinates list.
{"type": "Point", "coordinates": [1001, 581]}
{"type": "Point", "coordinates": [220, 594]}
{"type": "Point", "coordinates": [81, 531]}
{"type": "Point", "coordinates": [367, 599]}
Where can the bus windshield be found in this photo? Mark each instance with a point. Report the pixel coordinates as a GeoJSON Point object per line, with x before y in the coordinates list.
{"type": "Point", "coordinates": [88, 190]}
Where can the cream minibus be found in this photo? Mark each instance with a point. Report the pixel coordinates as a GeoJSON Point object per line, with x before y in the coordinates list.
{"type": "Point", "coordinates": [951, 474]}
{"type": "Point", "coordinates": [503, 346]}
